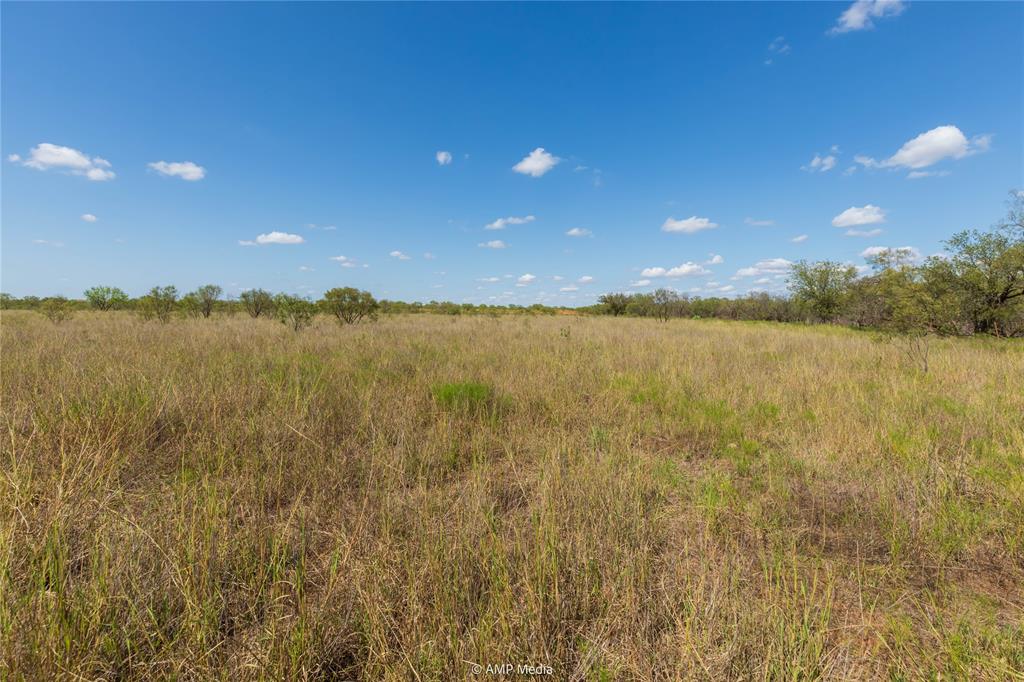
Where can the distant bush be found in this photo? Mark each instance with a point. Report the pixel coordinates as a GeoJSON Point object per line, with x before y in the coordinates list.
{"type": "Point", "coordinates": [349, 305]}
{"type": "Point", "coordinates": [159, 303]}
{"type": "Point", "coordinates": [201, 302]}
{"type": "Point", "coordinates": [294, 311]}
{"type": "Point", "coordinates": [257, 302]}
{"type": "Point", "coordinates": [56, 309]}
{"type": "Point", "coordinates": [106, 298]}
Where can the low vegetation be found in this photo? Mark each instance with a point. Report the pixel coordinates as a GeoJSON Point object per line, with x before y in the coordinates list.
{"type": "Point", "coordinates": [618, 498]}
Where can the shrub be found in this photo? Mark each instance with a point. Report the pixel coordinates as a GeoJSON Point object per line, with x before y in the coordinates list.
{"type": "Point", "coordinates": [257, 302]}
{"type": "Point", "coordinates": [159, 303]}
{"type": "Point", "coordinates": [56, 309]}
{"type": "Point", "coordinates": [294, 311]}
{"type": "Point", "coordinates": [349, 305]}
{"type": "Point", "coordinates": [106, 298]}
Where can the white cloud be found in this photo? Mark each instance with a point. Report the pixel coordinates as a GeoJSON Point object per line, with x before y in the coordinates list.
{"type": "Point", "coordinates": [399, 255]}
{"type": "Point", "coordinates": [585, 279]}
{"type": "Point", "coordinates": [186, 170]}
{"type": "Point", "coordinates": [579, 232]}
{"type": "Point", "coordinates": [714, 260]}
{"type": "Point", "coordinates": [89, 217]}
{"type": "Point", "coordinates": [306, 268]}
{"type": "Point", "coordinates": [502, 223]}
{"type": "Point", "coordinates": [571, 287]}
{"type": "Point", "coordinates": [489, 279]}
{"type": "Point", "coordinates": [641, 283]}
{"type": "Point", "coordinates": [759, 223]}
{"type": "Point", "coordinates": [526, 279]}
{"type": "Point", "coordinates": [799, 238]}
{"type": "Point", "coordinates": [536, 163]}
{"type": "Point", "coordinates": [917, 175]}
{"type": "Point", "coordinates": [777, 47]}
{"type": "Point", "coordinates": [908, 252]}
{"type": "Point", "coordinates": [443, 158]}
{"type": "Point", "coordinates": [688, 269]}
{"type": "Point", "coordinates": [863, 233]}
{"type": "Point", "coordinates": [493, 244]}
{"type": "Point", "coordinates": [863, 215]}
{"type": "Point", "coordinates": [47, 242]}
{"type": "Point", "coordinates": [768, 266]}
{"type": "Point", "coordinates": [45, 156]}
{"type": "Point", "coordinates": [859, 15]}
{"type": "Point", "coordinates": [314, 226]}
{"type": "Point", "coordinates": [344, 261]}
{"type": "Point", "coordinates": [928, 148]}
{"type": "Point", "coordinates": [820, 164]}
{"type": "Point", "coordinates": [688, 225]}
{"type": "Point", "coordinates": [274, 238]}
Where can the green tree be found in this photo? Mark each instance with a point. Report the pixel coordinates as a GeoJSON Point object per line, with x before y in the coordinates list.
{"type": "Point", "coordinates": [56, 309]}
{"type": "Point", "coordinates": [106, 298]}
{"type": "Point", "coordinates": [294, 311]}
{"type": "Point", "coordinates": [349, 305]}
{"type": "Point", "coordinates": [984, 274]}
{"type": "Point", "coordinates": [257, 302]}
{"type": "Point", "coordinates": [202, 301]}
{"type": "Point", "coordinates": [666, 303]}
{"type": "Point", "coordinates": [822, 287]}
{"type": "Point", "coordinates": [614, 304]}
{"type": "Point", "coordinates": [159, 303]}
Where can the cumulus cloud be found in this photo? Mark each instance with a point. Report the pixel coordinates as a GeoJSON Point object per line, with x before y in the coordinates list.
{"type": "Point", "coordinates": [859, 16]}
{"type": "Point", "coordinates": [768, 266]}
{"type": "Point", "coordinates": [399, 255]}
{"type": "Point", "coordinates": [688, 269]}
{"type": "Point", "coordinates": [687, 225]}
{"type": "Point", "coordinates": [640, 283]}
{"type": "Point", "coordinates": [759, 223]}
{"type": "Point", "coordinates": [536, 163]}
{"type": "Point", "coordinates": [799, 238]}
{"type": "Point", "coordinates": [928, 148]}
{"type": "Point", "coordinates": [863, 215]}
{"type": "Point", "coordinates": [493, 244]}
{"type": "Point", "coordinates": [917, 175]}
{"type": "Point", "coordinates": [502, 223]}
{"type": "Point", "coordinates": [571, 287]}
{"type": "Point", "coordinates": [274, 238]}
{"type": "Point", "coordinates": [820, 164]}
{"type": "Point", "coordinates": [579, 232]}
{"type": "Point", "coordinates": [526, 279]}
{"type": "Point", "coordinates": [714, 260]}
{"type": "Point", "coordinates": [45, 156]}
{"type": "Point", "coordinates": [344, 261]}
{"type": "Point", "coordinates": [443, 158]}
{"type": "Point", "coordinates": [89, 217]}
{"type": "Point", "coordinates": [585, 279]}
{"type": "Point", "coordinates": [186, 170]}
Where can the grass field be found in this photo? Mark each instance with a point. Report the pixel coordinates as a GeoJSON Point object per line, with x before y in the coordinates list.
{"type": "Point", "coordinates": [616, 498]}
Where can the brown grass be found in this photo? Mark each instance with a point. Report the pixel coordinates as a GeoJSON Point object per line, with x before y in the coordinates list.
{"type": "Point", "coordinates": [623, 499]}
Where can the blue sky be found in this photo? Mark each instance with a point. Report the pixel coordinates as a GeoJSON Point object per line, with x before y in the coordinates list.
{"type": "Point", "coordinates": [679, 140]}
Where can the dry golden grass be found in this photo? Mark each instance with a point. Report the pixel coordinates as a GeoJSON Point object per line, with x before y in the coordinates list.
{"type": "Point", "coordinates": [616, 498]}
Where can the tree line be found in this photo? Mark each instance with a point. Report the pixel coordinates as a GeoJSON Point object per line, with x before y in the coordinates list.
{"type": "Point", "coordinates": [975, 287]}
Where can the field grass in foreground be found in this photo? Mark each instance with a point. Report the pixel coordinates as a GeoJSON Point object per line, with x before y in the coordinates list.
{"type": "Point", "coordinates": [615, 498]}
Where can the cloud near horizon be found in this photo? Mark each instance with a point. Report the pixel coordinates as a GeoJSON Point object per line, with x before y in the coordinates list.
{"type": "Point", "coordinates": [687, 225]}
{"type": "Point", "coordinates": [274, 237]}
